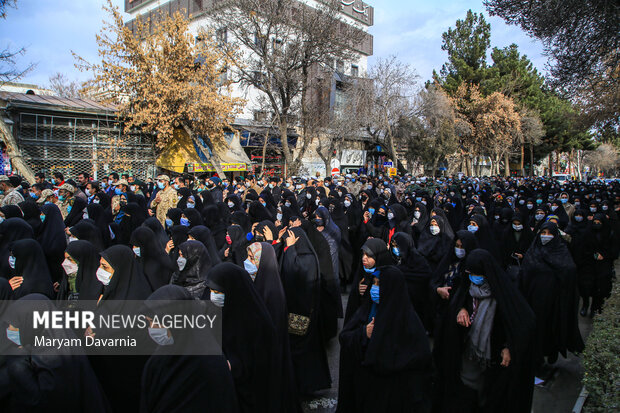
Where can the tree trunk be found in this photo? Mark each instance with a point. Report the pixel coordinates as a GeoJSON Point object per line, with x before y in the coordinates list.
{"type": "Point", "coordinates": [550, 172]}
{"type": "Point", "coordinates": [507, 162]}
{"type": "Point", "coordinates": [214, 160]}
{"type": "Point", "coordinates": [531, 159]}
{"type": "Point", "coordinates": [15, 154]}
{"type": "Point", "coordinates": [522, 159]}
{"type": "Point", "coordinates": [434, 166]}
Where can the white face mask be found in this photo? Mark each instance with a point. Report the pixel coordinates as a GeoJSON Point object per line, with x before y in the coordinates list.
{"type": "Point", "coordinates": [279, 217]}
{"type": "Point", "coordinates": [96, 201]}
{"type": "Point", "coordinates": [231, 204]}
{"type": "Point", "coordinates": [517, 227]}
{"type": "Point", "coordinates": [459, 252]}
{"type": "Point", "coordinates": [160, 336]}
{"type": "Point", "coordinates": [309, 195]}
{"type": "Point", "coordinates": [347, 203]}
{"type": "Point", "coordinates": [181, 262]}
{"type": "Point", "coordinates": [136, 250]}
{"type": "Point", "coordinates": [417, 214]}
{"type": "Point", "coordinates": [103, 276]}
{"type": "Point", "coordinates": [390, 215]}
{"type": "Point", "coordinates": [85, 215]}
{"type": "Point", "coordinates": [317, 201]}
{"type": "Point", "coordinates": [69, 266]}
{"type": "Point", "coordinates": [554, 207]}
{"type": "Point", "coordinates": [72, 238]}
{"type": "Point", "coordinates": [12, 262]}
{"type": "Point", "coordinates": [218, 298]}
{"type": "Point", "coordinates": [544, 239]}
{"type": "Point", "coordinates": [434, 229]}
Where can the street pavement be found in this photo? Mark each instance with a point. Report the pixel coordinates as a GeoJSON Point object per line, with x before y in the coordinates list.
{"type": "Point", "coordinates": [558, 395]}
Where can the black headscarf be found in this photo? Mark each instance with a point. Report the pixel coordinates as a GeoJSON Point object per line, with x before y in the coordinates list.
{"type": "Point", "coordinates": [127, 282]}
{"type": "Point", "coordinates": [86, 255]}
{"type": "Point", "coordinates": [435, 247]}
{"type": "Point", "coordinates": [11, 230]}
{"type": "Point", "coordinates": [153, 259]}
{"type": "Point", "coordinates": [203, 234]}
{"type": "Point", "coordinates": [52, 239]}
{"type": "Point", "coordinates": [160, 233]}
{"type": "Point", "coordinates": [31, 214]}
{"type": "Point", "coordinates": [248, 338]}
{"type": "Point", "coordinates": [183, 382]}
{"type": "Point", "coordinates": [193, 277]}
{"type": "Point", "coordinates": [87, 230]}
{"type": "Point", "coordinates": [511, 389]}
{"type": "Point", "coordinates": [30, 264]}
{"type": "Point", "coordinates": [485, 237]}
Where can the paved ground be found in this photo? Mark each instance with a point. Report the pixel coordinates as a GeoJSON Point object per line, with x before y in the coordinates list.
{"type": "Point", "coordinates": [557, 396]}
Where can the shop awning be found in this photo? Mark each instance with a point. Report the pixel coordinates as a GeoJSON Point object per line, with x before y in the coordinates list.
{"type": "Point", "coordinates": [182, 152]}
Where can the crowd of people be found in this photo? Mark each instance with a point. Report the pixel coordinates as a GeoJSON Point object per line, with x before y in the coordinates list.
{"type": "Point", "coordinates": [460, 291]}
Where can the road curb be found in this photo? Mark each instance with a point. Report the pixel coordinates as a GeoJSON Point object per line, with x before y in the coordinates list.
{"type": "Point", "coordinates": [580, 400]}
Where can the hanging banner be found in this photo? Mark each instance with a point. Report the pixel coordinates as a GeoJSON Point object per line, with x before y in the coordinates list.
{"type": "Point", "coordinates": [226, 167]}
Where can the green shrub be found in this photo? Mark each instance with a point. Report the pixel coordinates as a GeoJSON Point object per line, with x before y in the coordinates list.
{"type": "Point", "coordinates": [601, 358]}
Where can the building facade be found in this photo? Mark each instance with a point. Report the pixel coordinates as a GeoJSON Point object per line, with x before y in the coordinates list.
{"type": "Point", "coordinates": [258, 135]}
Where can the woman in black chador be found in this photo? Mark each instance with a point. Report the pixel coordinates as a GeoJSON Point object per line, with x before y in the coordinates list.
{"type": "Point", "coordinates": [487, 362]}
{"type": "Point", "coordinates": [386, 358]}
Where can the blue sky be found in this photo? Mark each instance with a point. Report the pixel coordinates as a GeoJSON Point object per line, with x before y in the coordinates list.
{"type": "Point", "coordinates": [409, 29]}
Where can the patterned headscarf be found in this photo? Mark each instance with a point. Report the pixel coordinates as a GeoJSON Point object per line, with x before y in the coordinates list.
{"type": "Point", "coordinates": [256, 249]}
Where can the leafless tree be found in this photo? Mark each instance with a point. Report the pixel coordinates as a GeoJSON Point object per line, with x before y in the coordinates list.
{"type": "Point", "coordinates": [390, 98]}
{"type": "Point", "coordinates": [63, 87]}
{"type": "Point", "coordinates": [281, 47]}
{"type": "Point", "coordinates": [604, 159]}
{"type": "Point", "coordinates": [8, 65]}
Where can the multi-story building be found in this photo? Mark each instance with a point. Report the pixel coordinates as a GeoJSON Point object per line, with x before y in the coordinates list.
{"type": "Point", "coordinates": [255, 124]}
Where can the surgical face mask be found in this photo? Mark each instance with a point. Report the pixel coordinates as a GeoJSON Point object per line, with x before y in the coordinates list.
{"type": "Point", "coordinates": [496, 217]}
{"type": "Point", "coordinates": [13, 336]}
{"type": "Point", "coordinates": [61, 197]}
{"type": "Point", "coordinates": [390, 215]}
{"type": "Point", "coordinates": [517, 227]}
{"type": "Point", "coordinates": [288, 184]}
{"type": "Point", "coordinates": [370, 270]}
{"type": "Point", "coordinates": [297, 186]}
{"type": "Point", "coordinates": [347, 203]}
{"type": "Point", "coordinates": [136, 250]}
{"type": "Point", "coordinates": [103, 276]}
{"type": "Point", "coordinates": [72, 238]}
{"type": "Point", "coordinates": [191, 205]}
{"type": "Point", "coordinates": [185, 222]}
{"type": "Point", "coordinates": [554, 207]}
{"type": "Point", "coordinates": [264, 204]}
{"type": "Point", "coordinates": [12, 262]}
{"type": "Point", "coordinates": [434, 229]}
{"type": "Point", "coordinates": [374, 294]}
{"type": "Point", "coordinates": [69, 266]}
{"type": "Point", "coordinates": [319, 222]}
{"type": "Point", "coordinates": [577, 204]}
{"type": "Point", "coordinates": [459, 252]}
{"type": "Point", "coordinates": [539, 216]}
{"type": "Point", "coordinates": [176, 186]}
{"type": "Point", "coordinates": [592, 209]}
{"type": "Point", "coordinates": [33, 195]}
{"type": "Point", "coordinates": [181, 262]}
{"type": "Point", "coordinates": [218, 298]}
{"type": "Point", "coordinates": [42, 216]}
{"type": "Point", "coordinates": [309, 195]}
{"type": "Point", "coordinates": [161, 185]}
{"type": "Point", "coordinates": [279, 217]}
{"type": "Point", "coordinates": [564, 200]}
{"type": "Point", "coordinates": [578, 218]}
{"type": "Point", "coordinates": [530, 206]}
{"type": "Point", "coordinates": [544, 239]}
{"type": "Point", "coordinates": [271, 186]}
{"type": "Point", "coordinates": [85, 215]}
{"type": "Point", "coordinates": [604, 207]}
{"type": "Point", "coordinates": [417, 214]}
{"type": "Point", "coordinates": [369, 186]}
{"type": "Point", "coordinates": [118, 191]}
{"type": "Point", "coordinates": [396, 251]}
{"type": "Point", "coordinates": [87, 192]}
{"type": "Point", "coordinates": [96, 201]}
{"type": "Point", "coordinates": [287, 204]}
{"type": "Point", "coordinates": [539, 201]}
{"type": "Point", "coordinates": [231, 204]}
{"type": "Point", "coordinates": [250, 267]}
{"type": "Point", "coordinates": [160, 336]}
{"type": "Point", "coordinates": [472, 228]}
{"type": "Point", "coordinates": [521, 201]}
{"type": "Point", "coordinates": [169, 222]}
{"type": "Point", "coordinates": [317, 201]}
{"type": "Point", "coordinates": [476, 279]}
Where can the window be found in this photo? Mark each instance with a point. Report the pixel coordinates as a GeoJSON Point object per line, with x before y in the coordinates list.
{"type": "Point", "coordinates": [355, 71]}
{"type": "Point", "coordinates": [221, 36]}
{"type": "Point", "coordinates": [340, 66]}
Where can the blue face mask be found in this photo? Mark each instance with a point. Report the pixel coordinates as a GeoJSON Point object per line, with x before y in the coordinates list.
{"type": "Point", "coordinates": [564, 200]}
{"type": "Point", "coordinates": [371, 210]}
{"type": "Point", "coordinates": [118, 191]}
{"type": "Point", "coordinates": [374, 294]}
{"type": "Point", "coordinates": [61, 198]}
{"type": "Point", "coordinates": [169, 222]}
{"type": "Point", "coordinates": [264, 204]}
{"type": "Point", "coordinates": [472, 228]}
{"type": "Point", "coordinates": [33, 195]}
{"type": "Point", "coordinates": [396, 251]}
{"type": "Point", "coordinates": [370, 270]}
{"type": "Point", "coordinates": [539, 201]}
{"type": "Point", "coordinates": [160, 185]}
{"type": "Point", "coordinates": [250, 267]}
{"type": "Point", "coordinates": [476, 279]}
{"type": "Point", "coordinates": [69, 208]}
{"type": "Point", "coordinates": [185, 222]}
{"type": "Point", "coordinates": [249, 236]}
{"type": "Point", "coordinates": [13, 336]}
{"type": "Point", "coordinates": [42, 218]}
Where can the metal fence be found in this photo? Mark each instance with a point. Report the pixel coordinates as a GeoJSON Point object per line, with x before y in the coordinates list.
{"type": "Point", "coordinates": [73, 144]}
